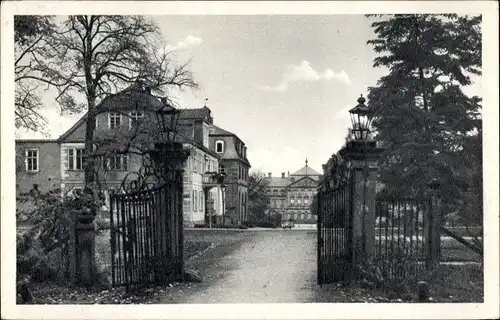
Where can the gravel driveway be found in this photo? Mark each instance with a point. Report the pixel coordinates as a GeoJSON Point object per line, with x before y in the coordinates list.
{"type": "Point", "coordinates": [274, 266]}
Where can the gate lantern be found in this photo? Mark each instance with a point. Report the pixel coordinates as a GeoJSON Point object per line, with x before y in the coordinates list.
{"type": "Point", "coordinates": [361, 118]}
{"type": "Point", "coordinates": [167, 118]}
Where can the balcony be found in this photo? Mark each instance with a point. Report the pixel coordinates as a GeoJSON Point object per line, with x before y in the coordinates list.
{"type": "Point", "coordinates": [212, 179]}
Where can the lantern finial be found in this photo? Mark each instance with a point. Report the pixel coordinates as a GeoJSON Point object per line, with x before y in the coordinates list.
{"type": "Point", "coordinates": [361, 99]}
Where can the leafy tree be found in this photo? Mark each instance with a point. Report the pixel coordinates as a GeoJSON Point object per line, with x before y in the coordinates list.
{"type": "Point", "coordinates": [314, 205]}
{"type": "Point", "coordinates": [96, 56]}
{"type": "Point", "coordinates": [31, 35]}
{"type": "Point", "coordinates": [429, 127]}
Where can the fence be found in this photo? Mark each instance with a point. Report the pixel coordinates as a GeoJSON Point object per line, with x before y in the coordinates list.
{"type": "Point", "coordinates": [401, 236]}
{"type": "Point", "coordinates": [146, 236]}
{"type": "Point", "coordinates": [335, 226]}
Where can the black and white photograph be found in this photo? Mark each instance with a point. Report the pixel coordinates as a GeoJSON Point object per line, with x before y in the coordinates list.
{"type": "Point", "coordinates": [202, 156]}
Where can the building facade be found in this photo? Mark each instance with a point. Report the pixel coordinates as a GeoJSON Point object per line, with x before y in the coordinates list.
{"type": "Point", "coordinates": [124, 128]}
{"type": "Point", "coordinates": [235, 165]}
{"type": "Point", "coordinates": [291, 195]}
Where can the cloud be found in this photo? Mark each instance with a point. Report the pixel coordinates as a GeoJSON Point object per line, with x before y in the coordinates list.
{"type": "Point", "coordinates": [189, 41]}
{"type": "Point", "coordinates": [277, 160]}
{"type": "Point", "coordinates": [305, 72]}
{"type": "Point", "coordinates": [343, 113]}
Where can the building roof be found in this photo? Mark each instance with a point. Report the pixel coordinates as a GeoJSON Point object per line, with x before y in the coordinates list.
{"type": "Point", "coordinates": [306, 171]}
{"type": "Point", "coordinates": [293, 178]}
{"type": "Point", "coordinates": [218, 131]}
{"type": "Point", "coordinates": [35, 140]}
{"type": "Point", "coordinates": [135, 93]}
{"type": "Point", "coordinates": [198, 113]}
{"type": "Point", "coordinates": [277, 181]}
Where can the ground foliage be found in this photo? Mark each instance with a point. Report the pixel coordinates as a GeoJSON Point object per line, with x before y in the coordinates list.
{"type": "Point", "coordinates": [428, 127]}
{"type": "Point", "coordinates": [42, 247]}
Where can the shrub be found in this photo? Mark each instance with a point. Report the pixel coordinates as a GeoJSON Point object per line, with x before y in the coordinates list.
{"type": "Point", "coordinates": [42, 251]}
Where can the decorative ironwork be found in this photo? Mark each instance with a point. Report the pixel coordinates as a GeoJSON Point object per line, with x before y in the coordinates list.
{"type": "Point", "coordinates": [400, 236]}
{"type": "Point", "coordinates": [146, 178]}
{"type": "Point", "coordinates": [335, 222]}
{"type": "Point", "coordinates": [213, 178]}
{"type": "Point", "coordinates": [147, 231]}
{"type": "Point", "coordinates": [158, 165]}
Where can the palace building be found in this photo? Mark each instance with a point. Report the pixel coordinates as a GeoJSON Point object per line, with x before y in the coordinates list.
{"type": "Point", "coordinates": [291, 195]}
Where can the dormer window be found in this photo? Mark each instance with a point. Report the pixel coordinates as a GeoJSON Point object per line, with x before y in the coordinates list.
{"type": "Point", "coordinates": [114, 120]}
{"type": "Point", "coordinates": [135, 118]}
{"type": "Point", "coordinates": [219, 146]}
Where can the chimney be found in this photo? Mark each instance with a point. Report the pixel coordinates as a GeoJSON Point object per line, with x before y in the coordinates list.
{"type": "Point", "coordinates": [269, 174]}
{"type": "Point", "coordinates": [282, 175]}
{"type": "Point", "coordinates": [288, 173]}
{"type": "Point", "coordinates": [199, 131]}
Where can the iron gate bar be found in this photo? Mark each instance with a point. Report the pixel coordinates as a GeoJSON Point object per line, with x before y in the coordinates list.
{"type": "Point", "coordinates": [408, 221]}
{"type": "Point", "coordinates": [146, 231]}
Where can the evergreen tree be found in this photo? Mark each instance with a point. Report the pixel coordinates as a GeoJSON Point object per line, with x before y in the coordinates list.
{"type": "Point", "coordinates": [428, 126]}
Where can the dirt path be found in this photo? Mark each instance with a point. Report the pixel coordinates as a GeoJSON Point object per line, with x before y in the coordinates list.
{"type": "Point", "coordinates": [268, 266]}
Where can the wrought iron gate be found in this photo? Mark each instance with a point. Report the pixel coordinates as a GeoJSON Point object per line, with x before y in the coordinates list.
{"type": "Point", "coordinates": [401, 236]}
{"type": "Point", "coordinates": [335, 224]}
{"type": "Point", "coordinates": [147, 234]}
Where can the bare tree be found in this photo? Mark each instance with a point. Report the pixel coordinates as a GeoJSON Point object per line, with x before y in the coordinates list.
{"type": "Point", "coordinates": [257, 197]}
{"type": "Point", "coordinates": [31, 34]}
{"type": "Point", "coordinates": [95, 56]}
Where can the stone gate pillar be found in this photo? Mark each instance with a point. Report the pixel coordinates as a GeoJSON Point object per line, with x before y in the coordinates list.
{"type": "Point", "coordinates": [432, 231]}
{"type": "Point", "coordinates": [82, 269]}
{"type": "Point", "coordinates": [170, 159]}
{"type": "Point", "coordinates": [362, 158]}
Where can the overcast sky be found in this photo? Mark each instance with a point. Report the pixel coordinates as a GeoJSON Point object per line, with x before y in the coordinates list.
{"type": "Point", "coordinates": [283, 84]}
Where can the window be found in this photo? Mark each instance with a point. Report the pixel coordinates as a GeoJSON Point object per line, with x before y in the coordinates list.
{"type": "Point", "coordinates": [292, 201]}
{"type": "Point", "coordinates": [116, 162]}
{"type": "Point", "coordinates": [219, 146]}
{"type": "Point", "coordinates": [200, 163]}
{"type": "Point", "coordinates": [115, 120]}
{"type": "Point", "coordinates": [195, 167]}
{"type": "Point", "coordinates": [75, 159]}
{"type": "Point", "coordinates": [222, 169]}
{"type": "Point", "coordinates": [32, 160]}
{"type": "Point", "coordinates": [195, 203]}
{"type": "Point", "coordinates": [306, 201]}
{"type": "Point", "coordinates": [135, 117]}
{"type": "Point", "coordinates": [201, 200]}
{"type": "Point", "coordinates": [207, 165]}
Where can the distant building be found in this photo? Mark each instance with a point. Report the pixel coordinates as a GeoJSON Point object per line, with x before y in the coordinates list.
{"type": "Point", "coordinates": [291, 195]}
{"type": "Point", "coordinates": [43, 165]}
